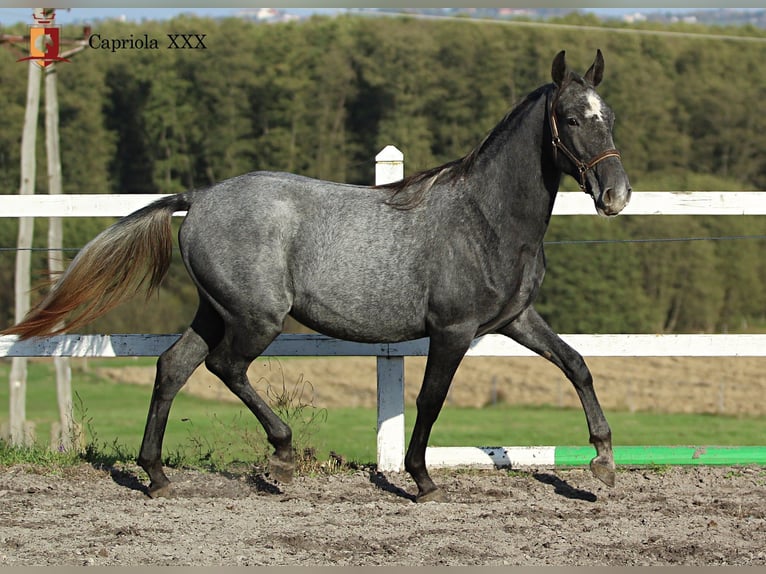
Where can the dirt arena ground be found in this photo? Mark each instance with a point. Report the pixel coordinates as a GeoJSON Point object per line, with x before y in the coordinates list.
{"type": "Point", "coordinates": [663, 516]}
{"type": "Point", "coordinates": [544, 516]}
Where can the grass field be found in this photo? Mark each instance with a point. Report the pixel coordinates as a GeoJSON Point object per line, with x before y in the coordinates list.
{"type": "Point", "coordinates": [218, 433]}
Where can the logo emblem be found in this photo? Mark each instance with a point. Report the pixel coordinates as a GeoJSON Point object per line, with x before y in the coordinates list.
{"type": "Point", "coordinates": [44, 39]}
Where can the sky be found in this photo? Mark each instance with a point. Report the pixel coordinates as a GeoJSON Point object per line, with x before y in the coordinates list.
{"type": "Point", "coordinates": [64, 16]}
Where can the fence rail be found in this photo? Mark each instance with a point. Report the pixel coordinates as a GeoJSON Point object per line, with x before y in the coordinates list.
{"type": "Point", "coordinates": [567, 203]}
{"type": "Point", "coordinates": [390, 356]}
{"type": "Point", "coordinates": [301, 345]}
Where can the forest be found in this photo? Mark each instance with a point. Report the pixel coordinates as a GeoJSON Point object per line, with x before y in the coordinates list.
{"type": "Point", "coordinates": [321, 97]}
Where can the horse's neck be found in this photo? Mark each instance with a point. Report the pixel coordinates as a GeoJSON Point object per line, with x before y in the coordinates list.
{"type": "Point", "coordinates": [516, 179]}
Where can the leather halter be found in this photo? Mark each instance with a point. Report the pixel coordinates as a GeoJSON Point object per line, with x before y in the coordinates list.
{"type": "Point", "coordinates": [582, 167]}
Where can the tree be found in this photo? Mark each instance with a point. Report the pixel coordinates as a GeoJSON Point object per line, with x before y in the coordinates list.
{"type": "Point", "coordinates": [592, 287]}
{"type": "Point", "coordinates": [132, 165]}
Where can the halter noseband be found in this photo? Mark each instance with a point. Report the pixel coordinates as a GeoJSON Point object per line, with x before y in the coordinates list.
{"type": "Point", "coordinates": [582, 167]}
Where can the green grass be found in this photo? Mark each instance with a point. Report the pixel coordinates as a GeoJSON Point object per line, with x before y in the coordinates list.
{"type": "Point", "coordinates": [215, 434]}
{"type": "Point", "coordinates": [114, 416]}
{"type": "Point", "coordinates": [507, 425]}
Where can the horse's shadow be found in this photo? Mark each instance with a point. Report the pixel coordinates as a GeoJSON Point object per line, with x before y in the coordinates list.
{"type": "Point", "coordinates": [563, 488]}
{"type": "Point", "coordinates": [380, 481]}
{"type": "Point", "coordinates": [560, 487]}
{"type": "Point", "coordinates": [126, 479]}
{"type": "Point", "coordinates": [259, 482]}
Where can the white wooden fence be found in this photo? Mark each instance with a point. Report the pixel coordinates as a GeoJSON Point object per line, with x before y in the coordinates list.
{"type": "Point", "coordinates": [390, 356]}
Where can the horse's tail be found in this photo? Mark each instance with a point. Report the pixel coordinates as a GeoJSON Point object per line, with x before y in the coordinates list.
{"type": "Point", "coordinates": [133, 253]}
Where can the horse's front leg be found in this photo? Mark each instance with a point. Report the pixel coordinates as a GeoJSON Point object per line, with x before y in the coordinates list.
{"type": "Point", "coordinates": [445, 352]}
{"type": "Point", "coordinates": [530, 330]}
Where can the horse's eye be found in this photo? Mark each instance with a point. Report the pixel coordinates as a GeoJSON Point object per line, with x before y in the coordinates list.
{"type": "Point", "coordinates": [572, 121]}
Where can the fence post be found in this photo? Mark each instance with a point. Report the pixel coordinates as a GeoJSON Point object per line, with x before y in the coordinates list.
{"type": "Point", "coordinates": [65, 438]}
{"type": "Point", "coordinates": [390, 414]}
{"type": "Point", "coordinates": [389, 167]}
{"type": "Point", "coordinates": [19, 433]}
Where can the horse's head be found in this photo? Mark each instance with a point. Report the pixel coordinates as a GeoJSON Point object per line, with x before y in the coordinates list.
{"type": "Point", "coordinates": [581, 128]}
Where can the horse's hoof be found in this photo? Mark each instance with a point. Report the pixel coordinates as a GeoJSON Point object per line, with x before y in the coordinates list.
{"type": "Point", "coordinates": [603, 470]}
{"type": "Point", "coordinates": [281, 470]}
{"type": "Point", "coordinates": [160, 491]}
{"type": "Point", "coordinates": [437, 495]}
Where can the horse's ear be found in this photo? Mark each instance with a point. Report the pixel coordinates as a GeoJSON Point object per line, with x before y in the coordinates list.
{"type": "Point", "coordinates": [559, 68]}
{"type": "Point", "coordinates": [595, 73]}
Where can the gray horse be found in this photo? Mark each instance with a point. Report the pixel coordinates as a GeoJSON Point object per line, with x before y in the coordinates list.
{"type": "Point", "coordinates": [451, 253]}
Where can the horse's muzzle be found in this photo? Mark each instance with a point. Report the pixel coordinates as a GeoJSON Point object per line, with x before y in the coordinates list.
{"type": "Point", "coordinates": [612, 200]}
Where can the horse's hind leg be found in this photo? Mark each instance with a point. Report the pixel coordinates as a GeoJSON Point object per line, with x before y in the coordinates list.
{"type": "Point", "coordinates": [174, 367]}
{"type": "Point", "coordinates": [533, 332]}
{"type": "Point", "coordinates": [230, 361]}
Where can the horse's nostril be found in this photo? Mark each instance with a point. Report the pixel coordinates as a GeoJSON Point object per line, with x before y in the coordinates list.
{"type": "Point", "coordinates": [606, 197]}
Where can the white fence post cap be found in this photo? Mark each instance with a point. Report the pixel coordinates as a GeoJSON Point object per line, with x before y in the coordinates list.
{"type": "Point", "coordinates": [389, 153]}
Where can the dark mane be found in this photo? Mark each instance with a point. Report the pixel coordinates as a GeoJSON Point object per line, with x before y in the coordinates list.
{"type": "Point", "coordinates": [409, 192]}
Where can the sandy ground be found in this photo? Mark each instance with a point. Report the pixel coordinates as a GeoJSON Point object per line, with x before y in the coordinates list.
{"type": "Point", "coordinates": [526, 517]}
{"type": "Point", "coordinates": [676, 516]}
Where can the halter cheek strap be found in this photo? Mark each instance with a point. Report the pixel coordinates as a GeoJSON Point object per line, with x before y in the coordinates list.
{"type": "Point", "coordinates": [582, 167]}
